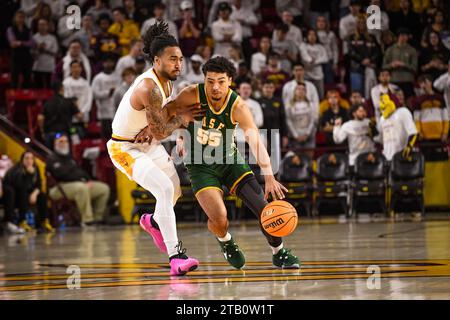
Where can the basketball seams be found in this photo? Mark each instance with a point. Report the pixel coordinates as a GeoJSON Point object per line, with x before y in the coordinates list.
{"type": "Point", "coordinates": [284, 225]}
{"type": "Point", "coordinates": [278, 215]}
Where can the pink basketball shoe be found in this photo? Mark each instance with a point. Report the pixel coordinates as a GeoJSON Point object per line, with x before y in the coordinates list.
{"type": "Point", "coordinates": [181, 264]}
{"type": "Point", "coordinates": [155, 233]}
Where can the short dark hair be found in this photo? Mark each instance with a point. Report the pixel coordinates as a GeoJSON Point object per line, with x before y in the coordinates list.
{"type": "Point", "coordinates": [121, 10]}
{"type": "Point", "coordinates": [220, 65]}
{"type": "Point", "coordinates": [156, 39]}
{"type": "Point", "coordinates": [74, 62]}
{"type": "Point", "coordinates": [104, 16]}
{"type": "Point", "coordinates": [355, 108]}
{"type": "Point", "coordinates": [56, 86]}
{"type": "Point", "coordinates": [384, 70]}
{"type": "Point", "coordinates": [268, 81]}
{"type": "Point", "coordinates": [424, 77]}
{"type": "Point", "coordinates": [282, 27]}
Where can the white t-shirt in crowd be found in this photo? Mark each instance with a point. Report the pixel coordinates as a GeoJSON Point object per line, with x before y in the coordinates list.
{"type": "Point", "coordinates": [82, 91]}
{"type": "Point", "coordinates": [45, 62]}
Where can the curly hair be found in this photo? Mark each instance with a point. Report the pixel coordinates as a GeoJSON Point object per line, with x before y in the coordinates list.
{"type": "Point", "coordinates": [219, 65]}
{"type": "Point", "coordinates": [156, 39]}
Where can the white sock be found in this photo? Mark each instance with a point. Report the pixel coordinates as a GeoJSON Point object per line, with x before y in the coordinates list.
{"type": "Point", "coordinates": [226, 238]}
{"type": "Point", "coordinates": [276, 249]}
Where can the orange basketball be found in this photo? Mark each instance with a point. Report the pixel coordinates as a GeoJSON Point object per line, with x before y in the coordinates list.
{"type": "Point", "coordinates": [279, 218]}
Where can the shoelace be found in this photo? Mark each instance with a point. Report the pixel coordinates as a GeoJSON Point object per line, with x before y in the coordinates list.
{"type": "Point", "coordinates": [180, 248]}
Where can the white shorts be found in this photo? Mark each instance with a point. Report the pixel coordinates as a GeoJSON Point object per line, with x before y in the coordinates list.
{"type": "Point", "coordinates": [125, 155]}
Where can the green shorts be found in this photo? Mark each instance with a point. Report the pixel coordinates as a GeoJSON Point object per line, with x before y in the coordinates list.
{"type": "Point", "coordinates": [214, 176]}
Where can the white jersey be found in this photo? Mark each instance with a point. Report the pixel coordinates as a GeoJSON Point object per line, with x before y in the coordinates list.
{"type": "Point", "coordinates": [395, 130]}
{"type": "Point", "coordinates": [128, 122]}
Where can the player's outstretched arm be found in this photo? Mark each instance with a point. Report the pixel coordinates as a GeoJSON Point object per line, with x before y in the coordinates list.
{"type": "Point", "coordinates": [242, 115]}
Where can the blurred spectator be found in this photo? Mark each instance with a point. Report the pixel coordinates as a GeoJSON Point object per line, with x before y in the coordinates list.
{"type": "Point", "coordinates": [319, 8]}
{"type": "Point", "coordinates": [79, 90]}
{"type": "Point", "coordinates": [105, 43]}
{"type": "Point", "coordinates": [434, 57]}
{"type": "Point", "coordinates": [128, 76]}
{"type": "Point", "coordinates": [43, 11]}
{"type": "Point", "coordinates": [126, 30]}
{"type": "Point", "coordinates": [286, 48]}
{"type": "Point", "coordinates": [329, 40]}
{"type": "Point", "coordinates": [313, 55]}
{"type": "Point", "coordinates": [247, 18]}
{"type": "Point", "coordinates": [214, 9]}
{"type": "Point", "coordinates": [90, 196]}
{"type": "Point", "coordinates": [65, 34]}
{"type": "Point", "coordinates": [299, 77]}
{"type": "Point", "coordinates": [364, 54]}
{"type": "Point", "coordinates": [100, 9]}
{"type": "Point", "coordinates": [328, 118]}
{"type": "Point", "coordinates": [384, 77]}
{"type": "Point", "coordinates": [133, 13]}
{"type": "Point", "coordinates": [235, 55]}
{"type": "Point", "coordinates": [103, 86]}
{"type": "Point", "coordinates": [23, 190]}
{"type": "Point", "coordinates": [401, 60]}
{"type": "Point", "coordinates": [74, 53]}
{"type": "Point", "coordinates": [86, 35]}
{"type": "Point", "coordinates": [21, 42]}
{"type": "Point", "coordinates": [274, 73]}
{"type": "Point", "coordinates": [259, 59]}
{"type": "Point", "coordinates": [243, 75]}
{"type": "Point", "coordinates": [225, 31]}
{"type": "Point", "coordinates": [331, 95]}
{"type": "Point", "coordinates": [437, 26]}
{"type": "Point", "coordinates": [302, 118]}
{"type": "Point", "coordinates": [384, 19]}
{"type": "Point", "coordinates": [430, 112]}
{"type": "Point", "coordinates": [195, 74]}
{"type": "Point", "coordinates": [443, 84]}
{"type": "Point", "coordinates": [129, 60]}
{"type": "Point", "coordinates": [358, 131]}
{"type": "Point", "coordinates": [293, 6]}
{"type": "Point", "coordinates": [274, 114]}
{"type": "Point", "coordinates": [387, 40]}
{"type": "Point", "coordinates": [397, 131]}
{"type": "Point", "coordinates": [406, 18]}
{"type": "Point", "coordinates": [356, 99]}
{"type": "Point", "coordinates": [9, 223]}
{"type": "Point", "coordinates": [173, 8]}
{"type": "Point", "coordinates": [140, 65]}
{"type": "Point", "coordinates": [159, 12]}
{"type": "Point", "coordinates": [44, 52]}
{"type": "Point", "coordinates": [189, 30]}
{"type": "Point", "coordinates": [57, 115]}
{"type": "Point", "coordinates": [245, 92]}
{"type": "Point", "coordinates": [205, 52]}
{"type": "Point", "coordinates": [347, 24]}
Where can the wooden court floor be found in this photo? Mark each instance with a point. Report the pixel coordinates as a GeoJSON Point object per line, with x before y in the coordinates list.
{"type": "Point", "coordinates": [351, 260]}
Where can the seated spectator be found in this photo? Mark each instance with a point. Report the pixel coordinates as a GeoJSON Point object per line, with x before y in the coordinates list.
{"type": "Point", "coordinates": [274, 116]}
{"type": "Point", "coordinates": [247, 18]}
{"type": "Point", "coordinates": [434, 57]}
{"type": "Point", "coordinates": [329, 40]}
{"type": "Point", "coordinates": [437, 26]}
{"type": "Point", "coordinates": [259, 59]}
{"type": "Point", "coordinates": [44, 52]}
{"type": "Point", "coordinates": [443, 84]}
{"type": "Point", "coordinates": [105, 43]}
{"type": "Point", "coordinates": [313, 55]}
{"type": "Point", "coordinates": [328, 118]}
{"type": "Point", "coordinates": [274, 73]}
{"type": "Point", "coordinates": [195, 74]}
{"type": "Point", "coordinates": [74, 53]}
{"type": "Point", "coordinates": [358, 131]}
{"type": "Point", "coordinates": [100, 9]}
{"type": "Point", "coordinates": [384, 86]}
{"type": "Point", "coordinates": [189, 29]}
{"type": "Point", "coordinates": [103, 86]}
{"type": "Point", "coordinates": [126, 30]}
{"type": "Point", "coordinates": [79, 90]}
{"type": "Point", "coordinates": [401, 60]}
{"type": "Point", "coordinates": [299, 77]}
{"type": "Point", "coordinates": [129, 60]}
{"type": "Point", "coordinates": [225, 31]}
{"type": "Point", "coordinates": [331, 96]}
{"type": "Point", "coordinates": [128, 76]}
{"type": "Point", "coordinates": [21, 41]}
{"type": "Point", "coordinates": [90, 196]}
{"type": "Point", "coordinates": [302, 118]}
{"type": "Point", "coordinates": [430, 112]}
{"type": "Point", "coordinates": [23, 190]}
{"type": "Point", "coordinates": [287, 49]}
{"type": "Point", "coordinates": [86, 35]}
{"type": "Point", "coordinates": [364, 54]}
{"type": "Point", "coordinates": [159, 11]}
{"type": "Point", "coordinates": [397, 131]}
{"type": "Point", "coordinates": [57, 115]}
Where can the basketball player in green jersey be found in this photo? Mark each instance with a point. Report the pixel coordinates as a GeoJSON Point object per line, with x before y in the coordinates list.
{"type": "Point", "coordinates": [212, 160]}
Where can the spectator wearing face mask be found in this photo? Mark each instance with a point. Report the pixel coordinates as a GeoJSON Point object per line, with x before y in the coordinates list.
{"type": "Point", "coordinates": [90, 196]}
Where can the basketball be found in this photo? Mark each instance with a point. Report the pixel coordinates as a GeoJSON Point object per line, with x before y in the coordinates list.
{"type": "Point", "coordinates": [279, 218]}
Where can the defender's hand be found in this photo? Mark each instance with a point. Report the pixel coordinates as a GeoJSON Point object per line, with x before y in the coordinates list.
{"type": "Point", "coordinates": [144, 136]}
{"type": "Point", "coordinates": [274, 188]}
{"type": "Point", "coordinates": [192, 112]}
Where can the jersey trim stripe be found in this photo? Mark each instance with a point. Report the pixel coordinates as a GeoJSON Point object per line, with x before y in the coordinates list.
{"type": "Point", "coordinates": [206, 188]}
{"type": "Point", "coordinates": [232, 108]}
{"type": "Point", "coordinates": [233, 187]}
{"type": "Point", "coordinates": [222, 108]}
{"type": "Point", "coordinates": [158, 82]}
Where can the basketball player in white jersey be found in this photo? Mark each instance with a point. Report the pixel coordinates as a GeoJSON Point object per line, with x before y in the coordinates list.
{"type": "Point", "coordinates": [141, 115]}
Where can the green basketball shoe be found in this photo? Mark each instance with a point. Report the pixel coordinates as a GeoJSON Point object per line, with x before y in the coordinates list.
{"type": "Point", "coordinates": [285, 259]}
{"type": "Point", "coordinates": [232, 253]}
